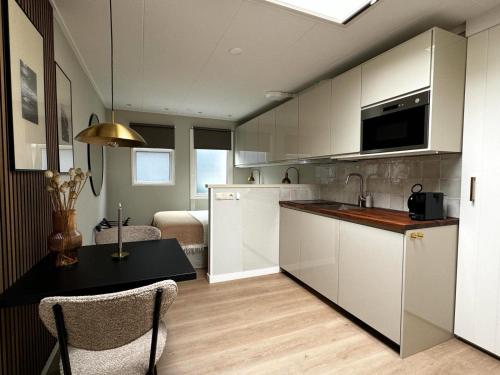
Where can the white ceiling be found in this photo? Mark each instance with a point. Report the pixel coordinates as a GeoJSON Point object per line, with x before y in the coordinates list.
{"type": "Point", "coordinates": [174, 53]}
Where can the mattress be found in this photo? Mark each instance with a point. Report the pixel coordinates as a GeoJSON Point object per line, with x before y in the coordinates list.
{"type": "Point", "coordinates": [189, 227]}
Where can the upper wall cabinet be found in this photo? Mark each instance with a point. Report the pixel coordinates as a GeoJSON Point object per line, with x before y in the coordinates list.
{"type": "Point", "coordinates": [314, 120]}
{"type": "Point", "coordinates": [325, 120]}
{"type": "Point", "coordinates": [287, 130]}
{"type": "Point", "coordinates": [267, 135]}
{"type": "Point", "coordinates": [247, 143]}
{"type": "Point", "coordinates": [346, 112]}
{"type": "Point", "coordinates": [403, 69]}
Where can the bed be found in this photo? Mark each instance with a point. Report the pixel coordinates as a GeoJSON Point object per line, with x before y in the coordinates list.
{"type": "Point", "coordinates": [190, 228]}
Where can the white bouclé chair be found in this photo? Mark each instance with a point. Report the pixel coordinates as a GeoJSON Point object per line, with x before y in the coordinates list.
{"type": "Point", "coordinates": [116, 333]}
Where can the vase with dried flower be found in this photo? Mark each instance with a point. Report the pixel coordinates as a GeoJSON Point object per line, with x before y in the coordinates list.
{"type": "Point", "coordinates": [65, 239]}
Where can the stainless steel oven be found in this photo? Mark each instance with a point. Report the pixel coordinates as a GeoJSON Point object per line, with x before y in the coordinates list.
{"type": "Point", "coordinates": [402, 124]}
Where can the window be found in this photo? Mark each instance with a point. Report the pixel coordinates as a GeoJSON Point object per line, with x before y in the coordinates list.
{"type": "Point", "coordinates": [152, 166]}
{"type": "Point", "coordinates": [209, 166]}
{"type": "Point", "coordinates": [339, 11]}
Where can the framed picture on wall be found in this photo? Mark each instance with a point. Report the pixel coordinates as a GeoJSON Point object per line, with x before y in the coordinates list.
{"type": "Point", "coordinates": [64, 121]}
{"type": "Point", "coordinates": [25, 81]}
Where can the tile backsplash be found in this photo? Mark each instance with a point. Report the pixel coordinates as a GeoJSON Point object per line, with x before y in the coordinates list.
{"type": "Point", "coordinates": [389, 181]}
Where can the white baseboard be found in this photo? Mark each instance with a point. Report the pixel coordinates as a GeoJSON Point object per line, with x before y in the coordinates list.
{"type": "Point", "coordinates": [48, 364]}
{"type": "Point", "coordinates": [242, 274]}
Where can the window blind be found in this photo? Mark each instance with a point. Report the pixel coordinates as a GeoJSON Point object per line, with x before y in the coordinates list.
{"type": "Point", "coordinates": [156, 136]}
{"type": "Point", "coordinates": [212, 139]}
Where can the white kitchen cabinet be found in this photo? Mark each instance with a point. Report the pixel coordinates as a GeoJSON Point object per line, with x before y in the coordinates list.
{"type": "Point", "coordinates": [314, 120]}
{"type": "Point", "coordinates": [401, 284]}
{"type": "Point", "coordinates": [402, 69]}
{"type": "Point", "coordinates": [346, 112]}
{"type": "Point", "coordinates": [247, 143]}
{"type": "Point", "coordinates": [429, 288]}
{"type": "Point", "coordinates": [370, 276]}
{"type": "Point", "coordinates": [287, 130]}
{"type": "Point", "coordinates": [319, 261]}
{"type": "Point", "coordinates": [477, 315]}
{"type": "Point", "coordinates": [267, 135]}
{"type": "Point", "coordinates": [289, 258]}
{"type": "Point", "coordinates": [309, 250]}
{"type": "Point", "coordinates": [239, 139]}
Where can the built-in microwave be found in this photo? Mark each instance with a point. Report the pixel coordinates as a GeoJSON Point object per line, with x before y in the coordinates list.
{"type": "Point", "coordinates": [402, 124]}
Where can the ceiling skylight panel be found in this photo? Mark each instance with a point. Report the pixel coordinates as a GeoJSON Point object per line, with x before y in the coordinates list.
{"type": "Point", "coordinates": [338, 11]}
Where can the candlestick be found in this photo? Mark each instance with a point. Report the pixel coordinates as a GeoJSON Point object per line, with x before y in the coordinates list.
{"type": "Point", "coordinates": [120, 254]}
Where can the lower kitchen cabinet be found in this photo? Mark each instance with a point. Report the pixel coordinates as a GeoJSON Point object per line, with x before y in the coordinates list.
{"type": "Point", "coordinates": [400, 284]}
{"type": "Point", "coordinates": [370, 276]}
{"type": "Point", "coordinates": [319, 254]}
{"type": "Point", "coordinates": [309, 251]}
{"type": "Point", "coordinates": [290, 241]}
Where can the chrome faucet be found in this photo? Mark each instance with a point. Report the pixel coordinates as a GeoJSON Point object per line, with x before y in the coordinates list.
{"type": "Point", "coordinates": [361, 197]}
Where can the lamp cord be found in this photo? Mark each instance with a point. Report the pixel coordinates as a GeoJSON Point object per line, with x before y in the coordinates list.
{"type": "Point", "coordinates": [112, 75]}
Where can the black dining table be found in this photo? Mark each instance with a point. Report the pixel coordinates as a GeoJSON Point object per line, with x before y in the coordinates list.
{"type": "Point", "coordinates": [97, 272]}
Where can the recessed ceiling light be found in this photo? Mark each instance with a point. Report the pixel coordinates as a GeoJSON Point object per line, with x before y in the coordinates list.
{"type": "Point", "coordinates": [235, 51]}
{"type": "Point", "coordinates": [339, 11]}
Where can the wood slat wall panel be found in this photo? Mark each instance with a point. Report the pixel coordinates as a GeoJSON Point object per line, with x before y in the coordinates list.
{"type": "Point", "coordinates": [25, 217]}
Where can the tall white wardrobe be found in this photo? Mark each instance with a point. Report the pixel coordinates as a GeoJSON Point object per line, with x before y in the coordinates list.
{"type": "Point", "coordinates": [477, 316]}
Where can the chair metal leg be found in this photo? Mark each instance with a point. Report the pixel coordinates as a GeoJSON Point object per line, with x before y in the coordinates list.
{"type": "Point", "coordinates": [154, 336]}
{"type": "Point", "coordinates": [62, 338]}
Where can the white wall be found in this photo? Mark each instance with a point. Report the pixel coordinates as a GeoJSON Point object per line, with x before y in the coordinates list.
{"type": "Point", "coordinates": [90, 209]}
{"type": "Point", "coordinates": [141, 202]}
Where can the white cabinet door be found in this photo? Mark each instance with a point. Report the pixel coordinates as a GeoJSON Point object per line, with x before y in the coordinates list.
{"type": "Point", "coordinates": [287, 130]}
{"type": "Point", "coordinates": [314, 120]}
{"type": "Point", "coordinates": [252, 141]}
{"type": "Point", "coordinates": [429, 288]}
{"type": "Point", "coordinates": [267, 134]}
{"type": "Point", "coordinates": [370, 276]}
{"type": "Point", "coordinates": [239, 146]}
{"type": "Point", "coordinates": [319, 254]}
{"type": "Point", "coordinates": [247, 143]}
{"type": "Point", "coordinates": [346, 112]}
{"type": "Point", "coordinates": [289, 257]}
{"type": "Point", "coordinates": [403, 69]}
{"type": "Point", "coordinates": [477, 316]}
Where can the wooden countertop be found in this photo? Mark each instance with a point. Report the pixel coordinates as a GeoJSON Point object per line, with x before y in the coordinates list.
{"type": "Point", "coordinates": [395, 221]}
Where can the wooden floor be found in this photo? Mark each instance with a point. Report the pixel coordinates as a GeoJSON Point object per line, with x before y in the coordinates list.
{"type": "Point", "coordinates": [272, 325]}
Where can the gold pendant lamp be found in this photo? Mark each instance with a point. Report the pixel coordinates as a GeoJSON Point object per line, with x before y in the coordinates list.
{"type": "Point", "coordinates": [111, 133]}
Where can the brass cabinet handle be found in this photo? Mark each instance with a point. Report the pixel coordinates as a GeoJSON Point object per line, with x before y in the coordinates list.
{"type": "Point", "coordinates": [420, 235]}
{"type": "Point", "coordinates": [413, 236]}
{"type": "Point", "coordinates": [416, 235]}
{"type": "Point", "coordinates": [472, 196]}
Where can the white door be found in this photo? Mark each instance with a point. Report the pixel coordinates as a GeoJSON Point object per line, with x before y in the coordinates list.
{"type": "Point", "coordinates": [477, 315]}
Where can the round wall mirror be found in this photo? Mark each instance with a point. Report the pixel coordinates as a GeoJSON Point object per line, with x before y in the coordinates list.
{"type": "Point", "coordinates": [95, 155]}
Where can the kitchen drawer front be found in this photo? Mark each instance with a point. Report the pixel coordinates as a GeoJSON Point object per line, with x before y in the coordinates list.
{"type": "Point", "coordinates": [370, 276]}
{"type": "Point", "coordinates": [401, 70]}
